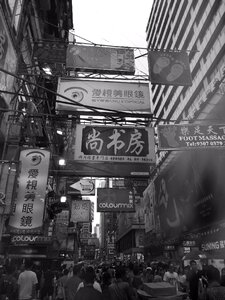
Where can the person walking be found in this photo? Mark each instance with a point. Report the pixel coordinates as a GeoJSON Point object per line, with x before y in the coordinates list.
{"type": "Point", "coordinates": [120, 289]}
{"type": "Point", "coordinates": [193, 279]}
{"type": "Point", "coordinates": [88, 292]}
{"type": "Point", "coordinates": [27, 283]}
{"type": "Point", "coordinates": [214, 291]}
{"type": "Point", "coordinates": [60, 285]}
{"type": "Point", "coordinates": [171, 276]}
{"type": "Point", "coordinates": [8, 285]}
{"type": "Point", "coordinates": [72, 283]}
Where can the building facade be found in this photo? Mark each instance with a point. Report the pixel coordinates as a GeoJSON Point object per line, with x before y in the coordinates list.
{"type": "Point", "coordinates": [187, 185]}
{"type": "Point", "coordinates": [34, 35]}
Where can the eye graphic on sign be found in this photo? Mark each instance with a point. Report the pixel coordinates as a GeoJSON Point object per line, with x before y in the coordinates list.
{"type": "Point", "coordinates": [35, 157]}
{"type": "Point", "coordinates": [75, 93]}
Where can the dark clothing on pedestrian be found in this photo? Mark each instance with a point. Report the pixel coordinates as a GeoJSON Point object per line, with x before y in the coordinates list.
{"type": "Point", "coordinates": [193, 279]}
{"type": "Point", "coordinates": [71, 287]}
{"type": "Point", "coordinates": [88, 293]}
{"type": "Point", "coordinates": [121, 291]}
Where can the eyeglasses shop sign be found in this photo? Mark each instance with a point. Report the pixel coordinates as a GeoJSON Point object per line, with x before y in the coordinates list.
{"type": "Point", "coordinates": [113, 200]}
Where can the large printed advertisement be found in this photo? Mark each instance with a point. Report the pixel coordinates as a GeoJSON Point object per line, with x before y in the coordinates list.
{"type": "Point", "coordinates": [190, 195]}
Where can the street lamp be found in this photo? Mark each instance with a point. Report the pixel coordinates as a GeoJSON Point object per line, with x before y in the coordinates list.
{"type": "Point", "coordinates": [63, 199]}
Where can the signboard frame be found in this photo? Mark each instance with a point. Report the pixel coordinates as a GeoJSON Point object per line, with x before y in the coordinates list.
{"type": "Point", "coordinates": [115, 144]}
{"type": "Point", "coordinates": [99, 59]}
{"type": "Point", "coordinates": [180, 137]}
{"type": "Point", "coordinates": [102, 94]}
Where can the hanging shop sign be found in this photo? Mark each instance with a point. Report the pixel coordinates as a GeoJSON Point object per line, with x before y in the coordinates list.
{"type": "Point", "coordinates": [80, 211]}
{"type": "Point", "coordinates": [191, 136]}
{"type": "Point", "coordinates": [111, 200]}
{"type": "Point", "coordinates": [114, 144]}
{"type": "Point", "coordinates": [112, 95]}
{"type": "Point", "coordinates": [27, 216]}
{"type": "Point", "coordinates": [217, 245]}
{"type": "Point", "coordinates": [8, 59]}
{"type": "Point", "coordinates": [31, 239]}
{"type": "Point", "coordinates": [169, 68]}
{"type": "Point", "coordinates": [100, 59]}
{"type": "Point", "coordinates": [49, 51]}
{"type": "Point", "coordinates": [80, 186]}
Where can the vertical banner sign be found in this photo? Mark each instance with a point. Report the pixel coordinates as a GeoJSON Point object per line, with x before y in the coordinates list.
{"type": "Point", "coordinates": [115, 144]}
{"type": "Point", "coordinates": [29, 206]}
{"type": "Point", "coordinates": [169, 67]}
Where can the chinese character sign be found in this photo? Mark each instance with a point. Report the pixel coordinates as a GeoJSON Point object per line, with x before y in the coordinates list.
{"type": "Point", "coordinates": [30, 201]}
{"type": "Point", "coordinates": [114, 95]}
{"type": "Point", "coordinates": [110, 144]}
{"type": "Point", "coordinates": [169, 67]}
{"type": "Point", "coordinates": [188, 136]}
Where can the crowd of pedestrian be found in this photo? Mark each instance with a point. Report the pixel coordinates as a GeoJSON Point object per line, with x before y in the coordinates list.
{"type": "Point", "coordinates": [115, 281]}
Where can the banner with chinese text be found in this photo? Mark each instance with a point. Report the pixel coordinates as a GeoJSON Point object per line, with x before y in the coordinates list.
{"type": "Point", "coordinates": [114, 144]}
{"type": "Point", "coordinates": [111, 200]}
{"type": "Point", "coordinates": [190, 136]}
{"type": "Point", "coordinates": [29, 205]}
{"type": "Point", "coordinates": [169, 67]}
{"type": "Point", "coordinates": [112, 95]}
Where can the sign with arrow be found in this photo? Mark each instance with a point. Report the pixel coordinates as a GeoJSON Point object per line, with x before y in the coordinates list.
{"type": "Point", "coordinates": [81, 187]}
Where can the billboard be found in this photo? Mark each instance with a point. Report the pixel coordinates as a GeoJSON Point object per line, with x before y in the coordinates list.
{"type": "Point", "coordinates": [114, 144]}
{"type": "Point", "coordinates": [191, 136]}
{"type": "Point", "coordinates": [190, 195]}
{"type": "Point", "coordinates": [112, 95]}
{"type": "Point", "coordinates": [98, 59]}
{"type": "Point", "coordinates": [28, 210]}
{"type": "Point", "coordinates": [115, 200]}
{"type": "Point", "coordinates": [80, 211]}
{"type": "Point", "coordinates": [169, 68]}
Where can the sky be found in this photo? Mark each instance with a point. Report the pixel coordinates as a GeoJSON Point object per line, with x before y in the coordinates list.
{"type": "Point", "coordinates": [113, 23]}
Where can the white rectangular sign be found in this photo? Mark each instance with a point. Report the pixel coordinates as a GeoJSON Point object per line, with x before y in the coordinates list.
{"type": "Point", "coordinates": [112, 95]}
{"type": "Point", "coordinates": [30, 201]}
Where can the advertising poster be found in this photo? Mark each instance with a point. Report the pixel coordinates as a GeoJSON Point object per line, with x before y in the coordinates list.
{"type": "Point", "coordinates": [169, 68]}
{"type": "Point", "coordinates": [190, 195]}
{"type": "Point", "coordinates": [100, 59]}
{"type": "Point", "coordinates": [111, 200]}
{"type": "Point", "coordinates": [112, 95]}
{"type": "Point", "coordinates": [115, 144]}
{"type": "Point", "coordinates": [29, 204]}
